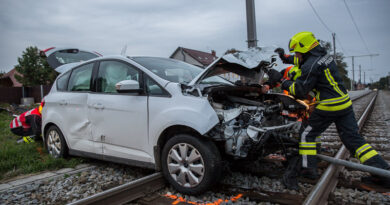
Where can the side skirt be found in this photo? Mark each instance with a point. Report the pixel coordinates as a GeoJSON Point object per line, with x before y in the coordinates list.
{"type": "Point", "coordinates": [119, 160]}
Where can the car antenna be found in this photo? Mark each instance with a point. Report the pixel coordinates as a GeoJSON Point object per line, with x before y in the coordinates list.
{"type": "Point", "coordinates": [123, 52]}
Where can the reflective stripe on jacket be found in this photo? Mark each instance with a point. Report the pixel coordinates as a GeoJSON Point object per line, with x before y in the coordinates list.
{"type": "Point", "coordinates": [319, 72]}
{"type": "Point", "coordinates": [20, 121]}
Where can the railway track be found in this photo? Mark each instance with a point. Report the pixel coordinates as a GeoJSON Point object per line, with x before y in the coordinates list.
{"type": "Point", "coordinates": [264, 187]}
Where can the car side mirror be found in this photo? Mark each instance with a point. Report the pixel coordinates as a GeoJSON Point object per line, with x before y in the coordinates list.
{"type": "Point", "coordinates": [128, 86]}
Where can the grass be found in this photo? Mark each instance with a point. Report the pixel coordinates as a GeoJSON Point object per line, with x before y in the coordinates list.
{"type": "Point", "coordinates": [18, 159]}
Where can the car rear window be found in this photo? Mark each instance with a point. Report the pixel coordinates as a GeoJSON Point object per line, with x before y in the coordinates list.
{"type": "Point", "coordinates": [65, 57]}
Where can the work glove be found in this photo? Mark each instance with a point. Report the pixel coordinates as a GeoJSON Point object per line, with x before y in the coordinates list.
{"type": "Point", "coordinates": [274, 77]}
{"type": "Point", "coordinates": [280, 52]}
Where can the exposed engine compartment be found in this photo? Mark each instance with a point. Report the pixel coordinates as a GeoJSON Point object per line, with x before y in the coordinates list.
{"type": "Point", "coordinates": [252, 122]}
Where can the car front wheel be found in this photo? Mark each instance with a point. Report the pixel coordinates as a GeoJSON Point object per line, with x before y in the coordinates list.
{"type": "Point", "coordinates": [191, 164]}
{"type": "Point", "coordinates": [55, 142]}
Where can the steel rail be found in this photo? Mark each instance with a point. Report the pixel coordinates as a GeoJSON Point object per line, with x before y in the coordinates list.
{"type": "Point", "coordinates": [126, 192]}
{"type": "Point", "coordinates": [328, 180]}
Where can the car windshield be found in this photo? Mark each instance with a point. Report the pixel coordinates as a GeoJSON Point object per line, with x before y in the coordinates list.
{"type": "Point", "coordinates": [174, 70]}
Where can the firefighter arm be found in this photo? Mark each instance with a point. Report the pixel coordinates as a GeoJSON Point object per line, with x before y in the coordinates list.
{"type": "Point", "coordinates": [303, 85]}
{"type": "Point", "coordinates": [288, 59]}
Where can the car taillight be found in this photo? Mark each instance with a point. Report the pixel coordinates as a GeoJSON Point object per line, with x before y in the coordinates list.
{"type": "Point", "coordinates": [41, 105]}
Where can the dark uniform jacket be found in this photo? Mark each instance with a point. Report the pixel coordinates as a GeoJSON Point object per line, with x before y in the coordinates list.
{"type": "Point", "coordinates": [319, 73]}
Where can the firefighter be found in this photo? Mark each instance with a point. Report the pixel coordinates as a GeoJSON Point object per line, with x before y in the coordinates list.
{"type": "Point", "coordinates": [28, 124]}
{"type": "Point", "coordinates": [319, 72]}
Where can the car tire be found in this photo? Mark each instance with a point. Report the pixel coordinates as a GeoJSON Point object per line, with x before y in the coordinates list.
{"type": "Point", "coordinates": [200, 169]}
{"type": "Point", "coordinates": [55, 142]}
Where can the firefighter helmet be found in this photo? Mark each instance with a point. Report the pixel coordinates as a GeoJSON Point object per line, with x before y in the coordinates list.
{"type": "Point", "coordinates": [302, 42]}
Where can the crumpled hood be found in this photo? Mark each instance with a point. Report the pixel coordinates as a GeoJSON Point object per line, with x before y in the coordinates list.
{"type": "Point", "coordinates": [246, 63]}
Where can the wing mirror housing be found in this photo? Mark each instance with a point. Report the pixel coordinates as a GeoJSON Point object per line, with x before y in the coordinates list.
{"type": "Point", "coordinates": [128, 86]}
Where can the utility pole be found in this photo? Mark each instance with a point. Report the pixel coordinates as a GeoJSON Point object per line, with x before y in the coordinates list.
{"type": "Point", "coordinates": [353, 74]}
{"type": "Point", "coordinates": [360, 73]}
{"type": "Point", "coordinates": [334, 47]}
{"type": "Point", "coordinates": [364, 78]}
{"type": "Point", "coordinates": [251, 23]}
{"type": "Point", "coordinates": [353, 69]}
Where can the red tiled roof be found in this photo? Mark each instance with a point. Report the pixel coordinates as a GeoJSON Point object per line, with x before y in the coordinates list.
{"type": "Point", "coordinates": [202, 57]}
{"type": "Point", "coordinates": [11, 75]}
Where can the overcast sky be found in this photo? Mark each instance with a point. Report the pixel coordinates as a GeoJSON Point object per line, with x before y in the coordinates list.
{"type": "Point", "coordinates": [158, 27]}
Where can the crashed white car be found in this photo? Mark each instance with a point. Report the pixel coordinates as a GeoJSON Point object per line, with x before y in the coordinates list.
{"type": "Point", "coordinates": [169, 115]}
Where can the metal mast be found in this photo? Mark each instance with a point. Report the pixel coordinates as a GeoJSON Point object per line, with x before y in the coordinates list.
{"type": "Point", "coordinates": [353, 69]}
{"type": "Point", "coordinates": [251, 23]}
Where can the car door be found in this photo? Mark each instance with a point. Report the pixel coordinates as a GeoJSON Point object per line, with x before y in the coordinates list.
{"type": "Point", "coordinates": [119, 120]}
{"type": "Point", "coordinates": [71, 107]}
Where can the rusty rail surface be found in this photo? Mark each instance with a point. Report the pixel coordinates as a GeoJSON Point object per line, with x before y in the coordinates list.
{"type": "Point", "coordinates": [126, 192]}
{"type": "Point", "coordinates": [328, 180]}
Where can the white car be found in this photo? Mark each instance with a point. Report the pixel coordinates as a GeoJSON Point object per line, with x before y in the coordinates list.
{"type": "Point", "coordinates": [165, 114]}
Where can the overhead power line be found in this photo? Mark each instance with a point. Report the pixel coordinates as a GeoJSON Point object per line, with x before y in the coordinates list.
{"type": "Point", "coordinates": [357, 29]}
{"type": "Point", "coordinates": [324, 24]}
{"type": "Point", "coordinates": [341, 46]}
{"type": "Point", "coordinates": [319, 18]}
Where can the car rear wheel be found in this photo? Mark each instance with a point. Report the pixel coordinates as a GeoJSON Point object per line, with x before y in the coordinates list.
{"type": "Point", "coordinates": [55, 142]}
{"type": "Point", "coordinates": [191, 164]}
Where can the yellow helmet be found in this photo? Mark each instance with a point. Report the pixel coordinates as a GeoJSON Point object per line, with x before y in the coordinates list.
{"type": "Point", "coordinates": [302, 42]}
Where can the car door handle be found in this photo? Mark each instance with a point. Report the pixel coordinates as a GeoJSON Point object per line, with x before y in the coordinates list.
{"type": "Point", "coordinates": [98, 106]}
{"type": "Point", "coordinates": [63, 102]}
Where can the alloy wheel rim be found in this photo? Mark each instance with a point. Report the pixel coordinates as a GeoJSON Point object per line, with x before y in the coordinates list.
{"type": "Point", "coordinates": [54, 144]}
{"type": "Point", "coordinates": [185, 165]}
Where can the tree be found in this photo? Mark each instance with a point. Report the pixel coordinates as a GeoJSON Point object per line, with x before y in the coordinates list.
{"type": "Point", "coordinates": [34, 69]}
{"type": "Point", "coordinates": [341, 64]}
{"type": "Point", "coordinates": [382, 84]}
{"type": "Point", "coordinates": [232, 50]}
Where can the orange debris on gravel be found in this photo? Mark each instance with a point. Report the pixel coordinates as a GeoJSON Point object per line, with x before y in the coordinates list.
{"type": "Point", "coordinates": [217, 202]}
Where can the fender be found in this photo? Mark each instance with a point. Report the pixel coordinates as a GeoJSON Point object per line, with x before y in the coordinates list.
{"type": "Point", "coordinates": [56, 119]}
{"type": "Point", "coordinates": [190, 111]}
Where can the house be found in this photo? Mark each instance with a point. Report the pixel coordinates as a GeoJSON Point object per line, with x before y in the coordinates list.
{"type": "Point", "coordinates": [9, 80]}
{"type": "Point", "coordinates": [194, 57]}
{"type": "Point", "coordinates": [201, 59]}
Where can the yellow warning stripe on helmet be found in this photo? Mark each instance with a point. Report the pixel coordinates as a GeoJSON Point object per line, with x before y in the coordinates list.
{"type": "Point", "coordinates": [313, 45]}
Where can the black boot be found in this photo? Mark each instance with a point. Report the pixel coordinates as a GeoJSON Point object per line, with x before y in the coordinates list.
{"type": "Point", "coordinates": [310, 173]}
{"type": "Point", "coordinates": [290, 177]}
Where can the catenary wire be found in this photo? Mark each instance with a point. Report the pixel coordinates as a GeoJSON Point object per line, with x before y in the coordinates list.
{"type": "Point", "coordinates": [326, 26]}
{"type": "Point", "coordinates": [319, 18]}
{"type": "Point", "coordinates": [357, 29]}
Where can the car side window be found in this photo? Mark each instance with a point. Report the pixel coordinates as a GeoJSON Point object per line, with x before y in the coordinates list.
{"type": "Point", "coordinates": [153, 88]}
{"type": "Point", "coordinates": [80, 79]}
{"type": "Point", "coordinates": [62, 82]}
{"type": "Point", "coordinates": [112, 72]}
